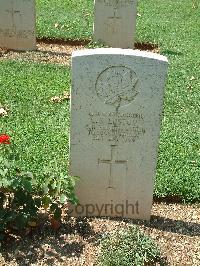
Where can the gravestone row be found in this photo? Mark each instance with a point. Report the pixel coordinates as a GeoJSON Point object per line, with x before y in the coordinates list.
{"type": "Point", "coordinates": [114, 23]}
{"type": "Point", "coordinates": [116, 109]}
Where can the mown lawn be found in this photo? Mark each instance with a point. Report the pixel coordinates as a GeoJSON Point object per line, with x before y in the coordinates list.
{"type": "Point", "coordinates": [40, 128]}
{"type": "Point", "coordinates": [69, 19]}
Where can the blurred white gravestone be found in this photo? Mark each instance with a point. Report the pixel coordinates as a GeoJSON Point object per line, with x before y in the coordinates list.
{"type": "Point", "coordinates": [116, 109]}
{"type": "Point", "coordinates": [115, 22]}
{"type": "Point", "coordinates": [17, 24]}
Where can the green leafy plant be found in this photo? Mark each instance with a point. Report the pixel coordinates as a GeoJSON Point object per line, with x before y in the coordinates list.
{"type": "Point", "coordinates": [22, 198]}
{"type": "Point", "coordinates": [128, 247]}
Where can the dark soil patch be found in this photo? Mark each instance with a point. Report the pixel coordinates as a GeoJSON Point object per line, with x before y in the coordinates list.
{"type": "Point", "coordinates": [55, 51]}
{"type": "Point", "coordinates": [64, 42]}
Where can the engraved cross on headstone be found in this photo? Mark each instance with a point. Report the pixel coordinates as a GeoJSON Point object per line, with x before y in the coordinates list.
{"type": "Point", "coordinates": [114, 22]}
{"type": "Point", "coordinates": [112, 162]}
{"type": "Point", "coordinates": [13, 12]}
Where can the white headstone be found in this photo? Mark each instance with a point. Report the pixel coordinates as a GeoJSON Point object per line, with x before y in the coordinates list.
{"type": "Point", "coordinates": [116, 110]}
{"type": "Point", "coordinates": [17, 24]}
{"type": "Point", "coordinates": [115, 22]}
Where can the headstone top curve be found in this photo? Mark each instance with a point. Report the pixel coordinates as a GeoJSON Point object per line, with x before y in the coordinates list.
{"type": "Point", "coordinates": [119, 51]}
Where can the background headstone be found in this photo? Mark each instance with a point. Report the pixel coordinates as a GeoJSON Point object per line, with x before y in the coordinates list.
{"type": "Point", "coordinates": [17, 24]}
{"type": "Point", "coordinates": [116, 109]}
{"type": "Point", "coordinates": [115, 22]}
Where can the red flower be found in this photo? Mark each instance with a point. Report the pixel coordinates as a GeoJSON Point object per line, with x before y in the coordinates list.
{"type": "Point", "coordinates": [4, 139]}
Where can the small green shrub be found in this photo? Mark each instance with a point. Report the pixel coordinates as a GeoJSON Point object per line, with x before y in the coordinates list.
{"type": "Point", "coordinates": [22, 198]}
{"type": "Point", "coordinates": [127, 247]}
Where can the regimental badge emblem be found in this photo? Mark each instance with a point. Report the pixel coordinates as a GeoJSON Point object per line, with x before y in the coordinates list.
{"type": "Point", "coordinates": [117, 86]}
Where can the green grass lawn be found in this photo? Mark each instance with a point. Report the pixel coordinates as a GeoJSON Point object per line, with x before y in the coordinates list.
{"type": "Point", "coordinates": [67, 19]}
{"type": "Point", "coordinates": [40, 128]}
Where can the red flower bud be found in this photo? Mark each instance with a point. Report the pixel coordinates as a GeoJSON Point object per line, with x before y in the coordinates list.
{"type": "Point", "coordinates": [5, 139]}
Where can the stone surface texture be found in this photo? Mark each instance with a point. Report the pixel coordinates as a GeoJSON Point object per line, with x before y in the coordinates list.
{"type": "Point", "coordinates": [17, 24]}
{"type": "Point", "coordinates": [115, 22]}
{"type": "Point", "coordinates": [116, 110]}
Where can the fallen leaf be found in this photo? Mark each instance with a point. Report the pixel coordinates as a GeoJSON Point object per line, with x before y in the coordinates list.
{"type": "Point", "coordinates": [56, 99]}
{"type": "Point", "coordinates": [55, 224]}
{"type": "Point", "coordinates": [195, 5]}
{"type": "Point", "coordinates": [28, 231]}
{"type": "Point", "coordinates": [32, 224]}
{"type": "Point", "coordinates": [59, 99]}
{"type": "Point", "coordinates": [3, 112]}
{"type": "Point", "coordinates": [66, 95]}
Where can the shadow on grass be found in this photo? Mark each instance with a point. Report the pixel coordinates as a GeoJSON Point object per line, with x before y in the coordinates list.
{"type": "Point", "coordinates": [169, 52]}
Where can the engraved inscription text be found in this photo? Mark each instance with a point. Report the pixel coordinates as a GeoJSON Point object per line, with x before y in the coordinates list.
{"type": "Point", "coordinates": [116, 3]}
{"type": "Point", "coordinates": [126, 127]}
